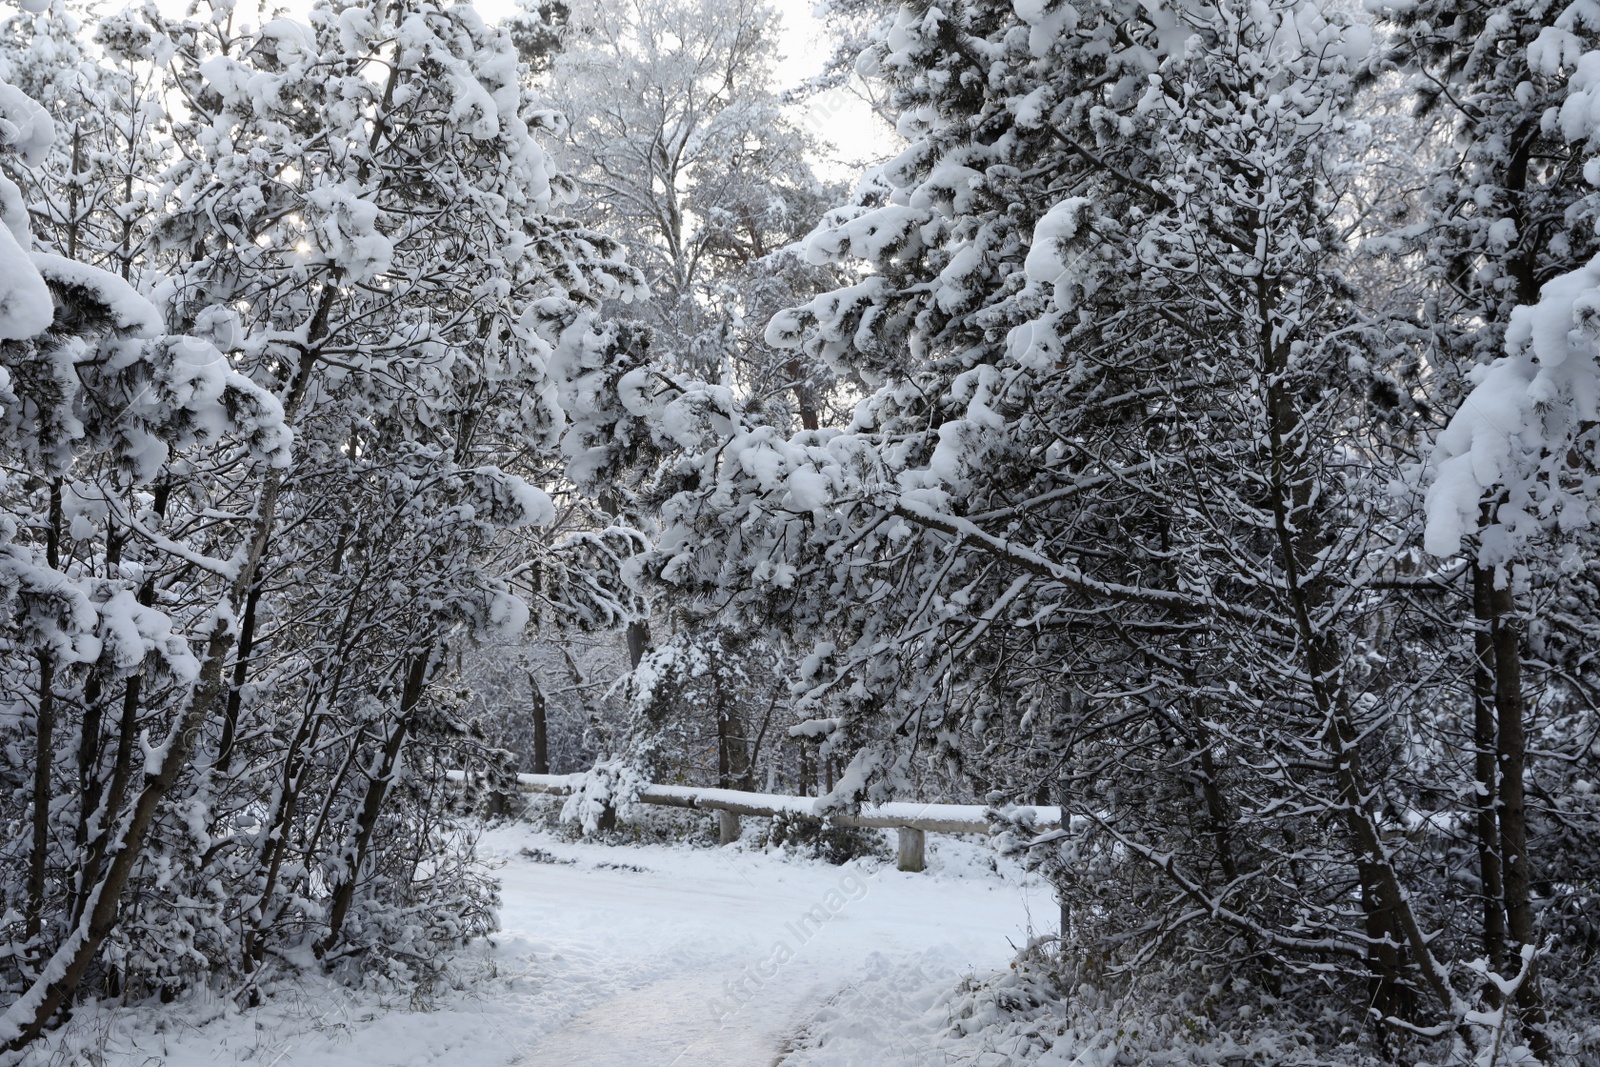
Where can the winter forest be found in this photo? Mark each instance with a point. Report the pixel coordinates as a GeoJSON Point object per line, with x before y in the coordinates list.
{"type": "Point", "coordinates": [1182, 416]}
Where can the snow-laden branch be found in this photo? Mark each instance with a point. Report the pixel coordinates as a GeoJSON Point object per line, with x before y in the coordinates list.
{"type": "Point", "coordinates": [1072, 577]}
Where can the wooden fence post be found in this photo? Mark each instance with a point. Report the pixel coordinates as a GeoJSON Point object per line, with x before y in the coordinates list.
{"type": "Point", "coordinates": [727, 827]}
{"type": "Point", "coordinates": [913, 847]}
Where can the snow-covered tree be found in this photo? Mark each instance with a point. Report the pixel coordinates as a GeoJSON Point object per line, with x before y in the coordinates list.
{"type": "Point", "coordinates": [1115, 528]}
{"type": "Point", "coordinates": [93, 198]}
{"type": "Point", "coordinates": [678, 143]}
{"type": "Point", "coordinates": [1510, 223]}
{"type": "Point", "coordinates": [294, 511]}
{"type": "Point", "coordinates": [100, 400]}
{"type": "Point", "coordinates": [681, 150]}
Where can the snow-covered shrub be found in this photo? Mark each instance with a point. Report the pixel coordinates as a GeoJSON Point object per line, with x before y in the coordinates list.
{"type": "Point", "coordinates": [404, 939]}
{"type": "Point", "coordinates": [1043, 1016]}
{"type": "Point", "coordinates": [606, 792]}
{"type": "Point", "coordinates": [824, 839]}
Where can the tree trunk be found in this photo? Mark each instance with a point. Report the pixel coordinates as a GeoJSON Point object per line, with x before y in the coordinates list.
{"type": "Point", "coordinates": [1485, 741]}
{"type": "Point", "coordinates": [1512, 758]}
{"type": "Point", "coordinates": [1396, 940]}
{"type": "Point", "coordinates": [44, 748]}
{"type": "Point", "coordinates": [89, 784]}
{"type": "Point", "coordinates": [805, 397]}
{"type": "Point", "coordinates": [1387, 990]}
{"type": "Point", "coordinates": [733, 752]}
{"type": "Point", "coordinates": [241, 673]}
{"type": "Point", "coordinates": [638, 632]}
{"type": "Point", "coordinates": [638, 641]}
{"type": "Point", "coordinates": [724, 763]}
{"type": "Point", "coordinates": [541, 741]}
{"type": "Point", "coordinates": [372, 804]}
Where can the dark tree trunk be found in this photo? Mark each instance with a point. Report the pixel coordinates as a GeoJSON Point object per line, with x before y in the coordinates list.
{"type": "Point", "coordinates": [638, 633]}
{"type": "Point", "coordinates": [372, 804]}
{"type": "Point", "coordinates": [1398, 948]}
{"type": "Point", "coordinates": [1512, 758]}
{"type": "Point", "coordinates": [1485, 741]}
{"type": "Point", "coordinates": [638, 641]}
{"type": "Point", "coordinates": [241, 673]}
{"type": "Point", "coordinates": [39, 856]}
{"type": "Point", "coordinates": [805, 397]}
{"type": "Point", "coordinates": [733, 747]}
{"type": "Point", "coordinates": [537, 707]}
{"type": "Point", "coordinates": [44, 746]}
{"type": "Point", "coordinates": [723, 762]}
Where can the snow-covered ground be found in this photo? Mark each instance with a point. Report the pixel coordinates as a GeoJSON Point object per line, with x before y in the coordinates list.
{"type": "Point", "coordinates": [647, 956]}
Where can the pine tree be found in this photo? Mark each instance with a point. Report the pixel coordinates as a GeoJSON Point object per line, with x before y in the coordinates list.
{"type": "Point", "coordinates": [1510, 221]}
{"type": "Point", "coordinates": [1113, 529]}
{"type": "Point", "coordinates": [680, 149]}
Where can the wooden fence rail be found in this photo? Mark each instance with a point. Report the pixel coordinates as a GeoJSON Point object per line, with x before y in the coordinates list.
{"type": "Point", "coordinates": [912, 821]}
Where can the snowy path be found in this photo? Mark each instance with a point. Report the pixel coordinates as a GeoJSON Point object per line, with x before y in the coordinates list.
{"type": "Point", "coordinates": [724, 955]}
{"type": "Point", "coordinates": [635, 957]}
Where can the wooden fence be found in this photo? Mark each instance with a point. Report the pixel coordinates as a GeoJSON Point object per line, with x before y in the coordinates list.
{"type": "Point", "coordinates": [912, 821]}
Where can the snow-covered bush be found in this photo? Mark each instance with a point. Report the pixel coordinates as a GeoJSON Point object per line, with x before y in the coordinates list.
{"type": "Point", "coordinates": [607, 791]}
{"type": "Point", "coordinates": [824, 839]}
